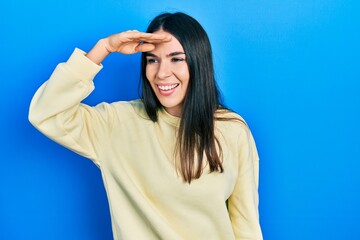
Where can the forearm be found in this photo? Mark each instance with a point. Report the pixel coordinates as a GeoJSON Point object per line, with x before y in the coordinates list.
{"type": "Point", "coordinates": [56, 108]}
{"type": "Point", "coordinates": [99, 52]}
{"type": "Point", "coordinates": [243, 208]}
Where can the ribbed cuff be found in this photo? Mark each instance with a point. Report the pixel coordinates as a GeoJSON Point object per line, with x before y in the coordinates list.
{"type": "Point", "coordinates": [82, 66]}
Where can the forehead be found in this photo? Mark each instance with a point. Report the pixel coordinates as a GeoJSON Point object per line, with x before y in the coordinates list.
{"type": "Point", "coordinates": [168, 47]}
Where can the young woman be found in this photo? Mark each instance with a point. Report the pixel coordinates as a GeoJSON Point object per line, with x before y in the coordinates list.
{"type": "Point", "coordinates": [175, 163]}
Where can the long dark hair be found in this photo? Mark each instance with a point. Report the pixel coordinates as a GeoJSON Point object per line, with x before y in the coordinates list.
{"type": "Point", "coordinates": [196, 135]}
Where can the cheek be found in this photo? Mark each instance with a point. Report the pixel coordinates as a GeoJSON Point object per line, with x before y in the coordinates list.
{"type": "Point", "coordinates": [147, 72]}
{"type": "Point", "coordinates": [150, 72]}
{"type": "Point", "coordinates": [185, 76]}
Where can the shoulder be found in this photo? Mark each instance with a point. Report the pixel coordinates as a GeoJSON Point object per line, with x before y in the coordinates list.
{"type": "Point", "coordinates": [234, 132]}
{"type": "Point", "coordinates": [231, 124]}
{"type": "Point", "coordinates": [135, 107]}
{"type": "Point", "coordinates": [229, 118]}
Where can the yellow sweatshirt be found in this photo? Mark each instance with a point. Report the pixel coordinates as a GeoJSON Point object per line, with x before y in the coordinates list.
{"type": "Point", "coordinates": [148, 198]}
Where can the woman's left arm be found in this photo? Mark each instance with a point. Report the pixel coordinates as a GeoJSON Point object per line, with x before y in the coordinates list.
{"type": "Point", "coordinates": [244, 200]}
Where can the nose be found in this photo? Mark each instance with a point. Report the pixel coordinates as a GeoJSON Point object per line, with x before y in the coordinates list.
{"type": "Point", "coordinates": [164, 70]}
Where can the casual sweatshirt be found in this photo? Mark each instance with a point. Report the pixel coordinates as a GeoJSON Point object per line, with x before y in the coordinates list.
{"type": "Point", "coordinates": [147, 196]}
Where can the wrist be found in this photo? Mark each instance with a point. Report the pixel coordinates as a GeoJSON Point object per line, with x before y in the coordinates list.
{"type": "Point", "coordinates": [104, 43]}
{"type": "Point", "coordinates": [99, 52]}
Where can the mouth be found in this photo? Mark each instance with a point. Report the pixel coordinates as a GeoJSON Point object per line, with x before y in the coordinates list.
{"type": "Point", "coordinates": [167, 89]}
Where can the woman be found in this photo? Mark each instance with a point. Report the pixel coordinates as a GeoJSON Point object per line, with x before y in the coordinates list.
{"type": "Point", "coordinates": [175, 164]}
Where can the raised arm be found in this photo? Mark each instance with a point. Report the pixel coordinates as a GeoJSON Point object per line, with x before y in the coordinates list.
{"type": "Point", "coordinates": [56, 109]}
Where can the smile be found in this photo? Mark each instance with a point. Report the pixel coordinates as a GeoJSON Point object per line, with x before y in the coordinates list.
{"type": "Point", "coordinates": [167, 87]}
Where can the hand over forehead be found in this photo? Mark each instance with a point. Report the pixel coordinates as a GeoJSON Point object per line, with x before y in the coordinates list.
{"type": "Point", "coordinates": [148, 37]}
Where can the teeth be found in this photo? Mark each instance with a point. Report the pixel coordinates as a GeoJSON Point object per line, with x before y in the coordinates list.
{"type": "Point", "coordinates": [167, 87]}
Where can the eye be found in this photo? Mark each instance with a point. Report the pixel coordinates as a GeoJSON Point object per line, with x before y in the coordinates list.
{"type": "Point", "coordinates": [177, 59]}
{"type": "Point", "coordinates": [151, 60]}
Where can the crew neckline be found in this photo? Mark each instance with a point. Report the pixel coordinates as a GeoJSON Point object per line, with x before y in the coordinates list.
{"type": "Point", "coordinates": [173, 120]}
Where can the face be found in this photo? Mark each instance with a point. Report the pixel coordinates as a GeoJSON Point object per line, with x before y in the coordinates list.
{"type": "Point", "coordinates": [168, 74]}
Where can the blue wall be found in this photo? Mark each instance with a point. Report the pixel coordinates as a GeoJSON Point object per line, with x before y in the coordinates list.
{"type": "Point", "coordinates": [291, 68]}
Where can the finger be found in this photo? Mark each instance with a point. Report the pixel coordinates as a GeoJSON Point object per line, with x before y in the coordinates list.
{"type": "Point", "coordinates": [145, 47]}
{"type": "Point", "coordinates": [163, 36]}
{"type": "Point", "coordinates": [160, 38]}
{"type": "Point", "coordinates": [149, 37]}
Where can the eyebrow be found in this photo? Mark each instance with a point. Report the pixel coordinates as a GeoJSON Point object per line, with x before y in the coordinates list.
{"type": "Point", "coordinates": [149, 54]}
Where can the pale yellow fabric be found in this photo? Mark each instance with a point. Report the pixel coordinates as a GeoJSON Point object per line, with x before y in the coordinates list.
{"type": "Point", "coordinates": [148, 199]}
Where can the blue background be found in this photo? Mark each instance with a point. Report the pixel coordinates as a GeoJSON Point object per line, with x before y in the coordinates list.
{"type": "Point", "coordinates": [290, 68]}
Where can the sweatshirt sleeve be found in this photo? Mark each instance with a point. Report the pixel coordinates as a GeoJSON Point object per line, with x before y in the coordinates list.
{"type": "Point", "coordinates": [243, 202]}
{"type": "Point", "coordinates": [56, 109]}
